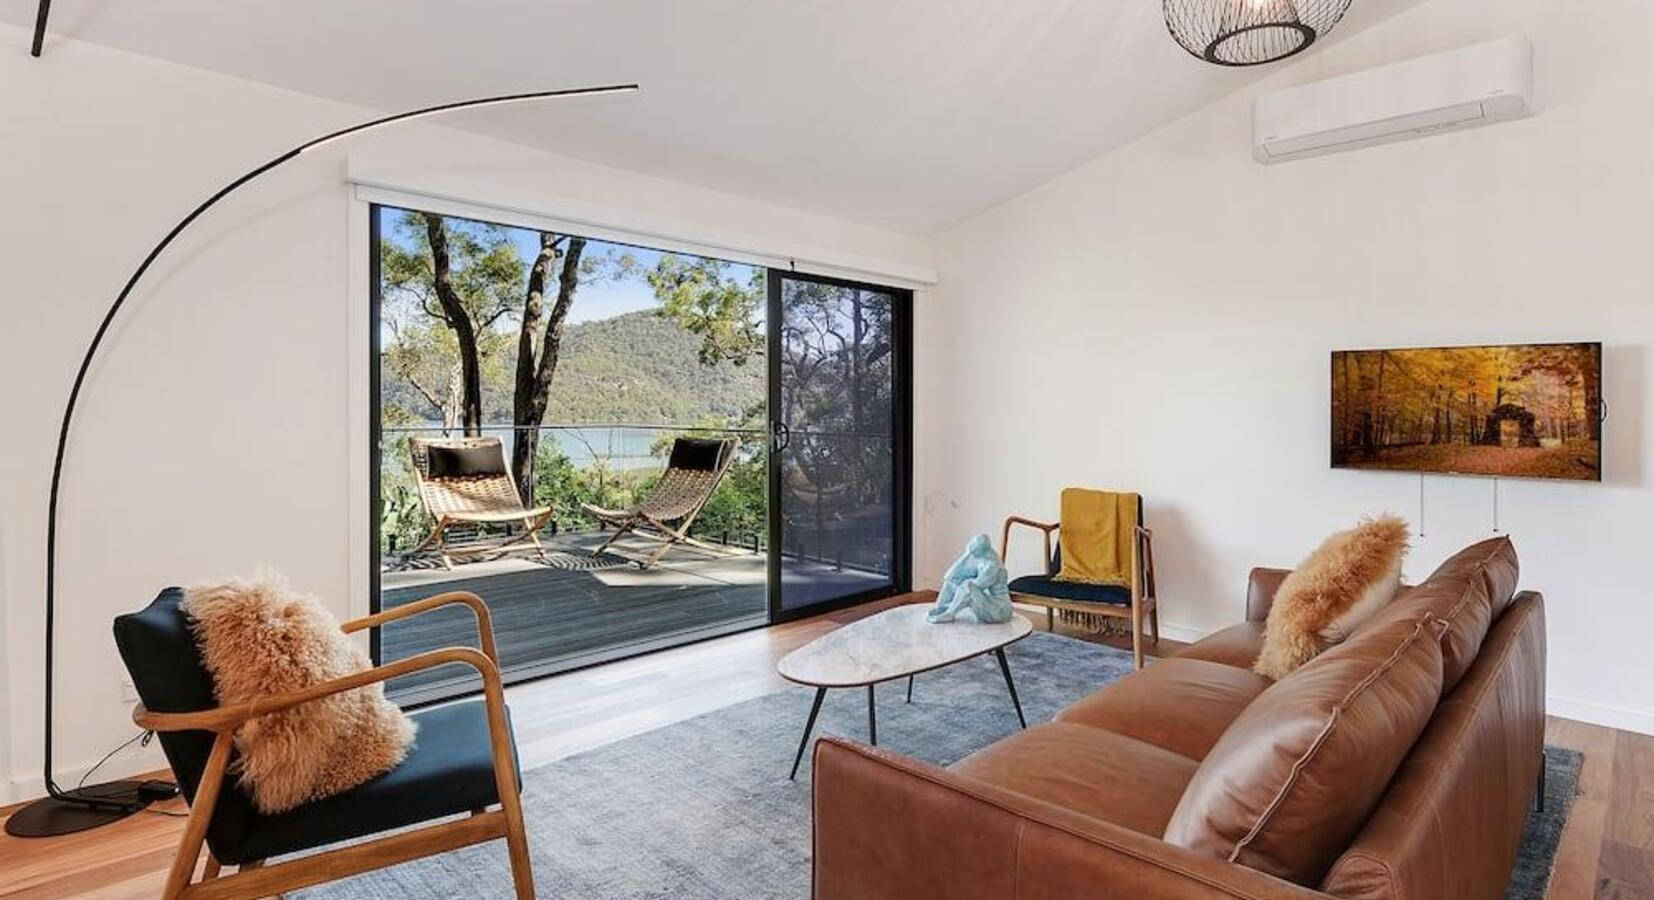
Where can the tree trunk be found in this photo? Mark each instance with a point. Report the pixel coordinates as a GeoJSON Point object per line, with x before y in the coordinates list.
{"type": "Point", "coordinates": [537, 365]}
{"type": "Point", "coordinates": [465, 331]}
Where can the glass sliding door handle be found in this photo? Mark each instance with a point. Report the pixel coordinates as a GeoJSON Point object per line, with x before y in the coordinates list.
{"type": "Point", "coordinates": [782, 435]}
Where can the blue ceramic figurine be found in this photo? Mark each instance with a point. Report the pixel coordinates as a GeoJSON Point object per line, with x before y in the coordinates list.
{"type": "Point", "coordinates": [973, 589]}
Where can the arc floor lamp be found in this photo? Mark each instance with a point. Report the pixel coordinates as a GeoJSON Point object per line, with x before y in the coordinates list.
{"type": "Point", "coordinates": [61, 811]}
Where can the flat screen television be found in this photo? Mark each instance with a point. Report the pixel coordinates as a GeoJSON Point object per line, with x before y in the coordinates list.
{"type": "Point", "coordinates": [1508, 410]}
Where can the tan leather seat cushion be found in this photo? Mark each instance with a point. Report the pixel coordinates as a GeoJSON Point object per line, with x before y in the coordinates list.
{"type": "Point", "coordinates": [1091, 771]}
{"type": "Point", "coordinates": [1237, 645]}
{"type": "Point", "coordinates": [1298, 772]}
{"type": "Point", "coordinates": [1181, 705]}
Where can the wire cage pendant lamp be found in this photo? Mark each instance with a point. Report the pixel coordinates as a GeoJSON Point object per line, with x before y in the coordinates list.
{"type": "Point", "coordinates": [1250, 32]}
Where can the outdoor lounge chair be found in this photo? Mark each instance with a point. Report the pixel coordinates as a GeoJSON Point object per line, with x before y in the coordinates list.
{"type": "Point", "coordinates": [692, 474]}
{"type": "Point", "coordinates": [466, 481]}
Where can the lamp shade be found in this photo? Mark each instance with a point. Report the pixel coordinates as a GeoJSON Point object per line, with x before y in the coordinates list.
{"type": "Point", "coordinates": [1250, 32]}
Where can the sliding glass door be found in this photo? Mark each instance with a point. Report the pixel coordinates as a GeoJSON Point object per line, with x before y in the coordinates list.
{"type": "Point", "coordinates": [839, 388]}
{"type": "Point", "coordinates": [621, 448]}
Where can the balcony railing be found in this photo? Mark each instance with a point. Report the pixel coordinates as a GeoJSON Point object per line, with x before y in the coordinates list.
{"type": "Point", "coordinates": [613, 464]}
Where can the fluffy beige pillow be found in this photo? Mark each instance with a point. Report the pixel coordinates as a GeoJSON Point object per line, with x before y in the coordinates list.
{"type": "Point", "coordinates": [1347, 579]}
{"type": "Point", "coordinates": [259, 638]}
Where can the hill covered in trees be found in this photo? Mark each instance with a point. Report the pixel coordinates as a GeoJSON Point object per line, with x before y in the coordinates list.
{"type": "Point", "coordinates": [636, 368]}
{"type": "Point", "coordinates": [644, 368]}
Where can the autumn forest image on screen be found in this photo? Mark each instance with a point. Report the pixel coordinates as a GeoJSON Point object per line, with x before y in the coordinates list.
{"type": "Point", "coordinates": [1527, 411]}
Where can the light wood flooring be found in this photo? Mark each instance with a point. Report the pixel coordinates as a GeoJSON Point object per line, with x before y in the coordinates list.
{"type": "Point", "coordinates": [1607, 850]}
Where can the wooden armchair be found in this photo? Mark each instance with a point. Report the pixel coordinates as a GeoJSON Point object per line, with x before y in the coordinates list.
{"type": "Point", "coordinates": [1136, 602]}
{"type": "Point", "coordinates": [463, 761]}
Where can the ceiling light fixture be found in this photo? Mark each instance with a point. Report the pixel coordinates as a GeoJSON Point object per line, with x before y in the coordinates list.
{"type": "Point", "coordinates": [1250, 32]}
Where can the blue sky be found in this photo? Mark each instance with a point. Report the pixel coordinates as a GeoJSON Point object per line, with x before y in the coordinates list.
{"type": "Point", "coordinates": [595, 300]}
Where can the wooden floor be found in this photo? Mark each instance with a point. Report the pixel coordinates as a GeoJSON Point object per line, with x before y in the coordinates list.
{"type": "Point", "coordinates": [1607, 850]}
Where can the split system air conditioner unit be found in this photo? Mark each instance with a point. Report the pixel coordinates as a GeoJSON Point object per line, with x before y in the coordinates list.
{"type": "Point", "coordinates": [1465, 88]}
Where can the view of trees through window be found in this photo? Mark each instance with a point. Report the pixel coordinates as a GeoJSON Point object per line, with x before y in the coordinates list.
{"type": "Point", "coordinates": [586, 358]}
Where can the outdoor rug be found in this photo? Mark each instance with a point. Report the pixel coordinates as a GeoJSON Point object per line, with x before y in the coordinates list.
{"type": "Point", "coordinates": [703, 808]}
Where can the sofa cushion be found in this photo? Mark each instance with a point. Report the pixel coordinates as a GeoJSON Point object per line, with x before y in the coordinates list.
{"type": "Point", "coordinates": [1237, 645]}
{"type": "Point", "coordinates": [1181, 705]}
{"type": "Point", "coordinates": [1461, 592]}
{"type": "Point", "coordinates": [1493, 561]}
{"type": "Point", "coordinates": [1289, 784]}
{"type": "Point", "coordinates": [1091, 771]}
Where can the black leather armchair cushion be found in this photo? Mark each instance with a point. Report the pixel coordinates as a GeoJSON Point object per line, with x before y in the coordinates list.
{"type": "Point", "coordinates": [449, 769]}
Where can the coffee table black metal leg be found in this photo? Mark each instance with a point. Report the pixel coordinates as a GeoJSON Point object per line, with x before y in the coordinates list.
{"type": "Point", "coordinates": [872, 722]}
{"type": "Point", "coordinates": [809, 726]}
{"type": "Point", "coordinates": [1005, 667]}
{"type": "Point", "coordinates": [910, 688]}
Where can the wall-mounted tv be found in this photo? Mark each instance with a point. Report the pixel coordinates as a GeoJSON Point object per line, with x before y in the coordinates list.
{"type": "Point", "coordinates": [1511, 410]}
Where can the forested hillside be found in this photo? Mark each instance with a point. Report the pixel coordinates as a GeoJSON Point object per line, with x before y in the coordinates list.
{"type": "Point", "coordinates": [643, 368]}
{"type": "Point", "coordinates": [638, 368]}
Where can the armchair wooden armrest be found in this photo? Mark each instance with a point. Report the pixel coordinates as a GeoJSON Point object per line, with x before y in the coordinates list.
{"type": "Point", "coordinates": [1005, 536]}
{"type": "Point", "coordinates": [260, 882]}
{"type": "Point", "coordinates": [226, 719]}
{"type": "Point", "coordinates": [485, 621]}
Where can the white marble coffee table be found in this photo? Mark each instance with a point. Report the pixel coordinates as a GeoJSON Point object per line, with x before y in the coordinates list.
{"type": "Point", "coordinates": [896, 643]}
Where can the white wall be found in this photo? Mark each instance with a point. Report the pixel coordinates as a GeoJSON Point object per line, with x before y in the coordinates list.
{"type": "Point", "coordinates": [213, 434]}
{"type": "Point", "coordinates": [1160, 320]}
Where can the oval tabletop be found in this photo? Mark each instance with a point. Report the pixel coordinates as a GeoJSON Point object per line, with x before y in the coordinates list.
{"type": "Point", "coordinates": [895, 643]}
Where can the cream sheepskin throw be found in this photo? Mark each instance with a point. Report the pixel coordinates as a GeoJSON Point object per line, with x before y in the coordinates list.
{"type": "Point", "coordinates": [1342, 584]}
{"type": "Point", "coordinates": [259, 638]}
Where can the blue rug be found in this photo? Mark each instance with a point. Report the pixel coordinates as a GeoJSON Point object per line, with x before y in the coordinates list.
{"type": "Point", "coordinates": [703, 809]}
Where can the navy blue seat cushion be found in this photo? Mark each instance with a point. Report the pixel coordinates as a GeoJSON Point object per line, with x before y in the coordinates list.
{"type": "Point", "coordinates": [448, 770]}
{"type": "Point", "coordinates": [1047, 586]}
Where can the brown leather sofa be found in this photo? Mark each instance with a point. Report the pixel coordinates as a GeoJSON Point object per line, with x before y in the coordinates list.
{"type": "Point", "coordinates": [1398, 764]}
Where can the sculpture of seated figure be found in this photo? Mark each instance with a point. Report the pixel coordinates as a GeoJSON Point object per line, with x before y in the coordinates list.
{"type": "Point", "coordinates": [974, 587]}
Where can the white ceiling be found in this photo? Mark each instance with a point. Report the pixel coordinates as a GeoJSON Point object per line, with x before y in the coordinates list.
{"type": "Point", "coordinates": [908, 114]}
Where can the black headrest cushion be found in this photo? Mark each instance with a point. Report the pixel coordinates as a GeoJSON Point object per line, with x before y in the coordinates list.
{"type": "Point", "coordinates": [697, 454]}
{"type": "Point", "coordinates": [464, 462]}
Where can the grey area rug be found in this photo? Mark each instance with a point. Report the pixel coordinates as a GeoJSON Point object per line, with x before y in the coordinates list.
{"type": "Point", "coordinates": [703, 808]}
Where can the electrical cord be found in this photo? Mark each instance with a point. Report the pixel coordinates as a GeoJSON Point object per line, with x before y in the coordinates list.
{"type": "Point", "coordinates": [142, 736]}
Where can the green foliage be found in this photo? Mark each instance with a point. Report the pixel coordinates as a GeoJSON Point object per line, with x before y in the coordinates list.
{"type": "Point", "coordinates": [694, 292]}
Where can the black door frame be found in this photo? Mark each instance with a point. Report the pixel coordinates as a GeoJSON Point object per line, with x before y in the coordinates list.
{"type": "Point", "coordinates": [901, 575]}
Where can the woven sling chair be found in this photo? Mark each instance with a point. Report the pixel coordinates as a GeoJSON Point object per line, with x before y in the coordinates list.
{"type": "Point", "coordinates": [1135, 602]}
{"type": "Point", "coordinates": [693, 472]}
{"type": "Point", "coordinates": [465, 481]}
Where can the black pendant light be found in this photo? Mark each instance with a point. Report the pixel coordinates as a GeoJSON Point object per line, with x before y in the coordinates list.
{"type": "Point", "coordinates": [1250, 32]}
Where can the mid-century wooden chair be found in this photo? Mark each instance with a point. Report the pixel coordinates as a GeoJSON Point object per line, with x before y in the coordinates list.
{"type": "Point", "coordinates": [1136, 602]}
{"type": "Point", "coordinates": [463, 762]}
{"type": "Point", "coordinates": [693, 471]}
{"type": "Point", "coordinates": [465, 481]}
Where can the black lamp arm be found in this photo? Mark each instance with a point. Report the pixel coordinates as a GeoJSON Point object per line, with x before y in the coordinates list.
{"type": "Point", "coordinates": [126, 291]}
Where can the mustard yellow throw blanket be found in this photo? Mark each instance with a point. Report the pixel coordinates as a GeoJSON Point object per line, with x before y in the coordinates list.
{"type": "Point", "coordinates": [1095, 533]}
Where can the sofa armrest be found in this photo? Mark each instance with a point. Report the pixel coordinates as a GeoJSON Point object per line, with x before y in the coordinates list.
{"type": "Point", "coordinates": [888, 827]}
{"type": "Point", "coordinates": [1260, 591]}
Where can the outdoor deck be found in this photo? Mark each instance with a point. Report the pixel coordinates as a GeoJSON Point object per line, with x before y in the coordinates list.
{"type": "Point", "coordinates": [571, 610]}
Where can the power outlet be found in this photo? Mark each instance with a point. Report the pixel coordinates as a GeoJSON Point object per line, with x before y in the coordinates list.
{"type": "Point", "coordinates": [129, 694]}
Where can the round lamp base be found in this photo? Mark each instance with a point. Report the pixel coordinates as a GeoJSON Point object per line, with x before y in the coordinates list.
{"type": "Point", "coordinates": [51, 816]}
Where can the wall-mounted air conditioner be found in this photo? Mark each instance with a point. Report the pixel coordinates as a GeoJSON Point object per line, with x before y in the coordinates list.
{"type": "Point", "coordinates": [1465, 88]}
